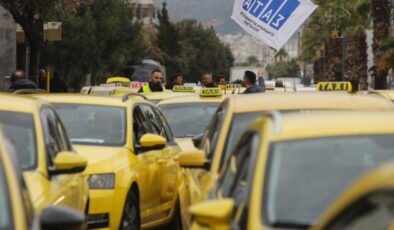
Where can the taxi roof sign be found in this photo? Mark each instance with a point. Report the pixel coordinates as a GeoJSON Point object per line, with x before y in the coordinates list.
{"type": "Point", "coordinates": [118, 79]}
{"type": "Point", "coordinates": [183, 89]}
{"type": "Point", "coordinates": [334, 86]}
{"type": "Point", "coordinates": [232, 86]}
{"type": "Point", "coordinates": [211, 92]}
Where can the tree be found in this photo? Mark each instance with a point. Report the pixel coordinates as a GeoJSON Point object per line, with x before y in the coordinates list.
{"type": "Point", "coordinates": [357, 21]}
{"type": "Point", "coordinates": [282, 53]}
{"type": "Point", "coordinates": [99, 40]}
{"type": "Point", "coordinates": [388, 59]}
{"type": "Point", "coordinates": [283, 69]}
{"type": "Point", "coordinates": [381, 25]}
{"type": "Point", "coordinates": [187, 47]}
{"type": "Point", "coordinates": [31, 15]}
{"type": "Point", "coordinates": [252, 60]}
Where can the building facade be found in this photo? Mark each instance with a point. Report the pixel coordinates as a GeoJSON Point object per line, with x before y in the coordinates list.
{"type": "Point", "coordinates": [145, 12]}
{"type": "Point", "coordinates": [7, 45]}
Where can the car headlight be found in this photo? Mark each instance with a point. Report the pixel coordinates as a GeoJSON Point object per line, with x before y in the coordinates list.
{"type": "Point", "coordinates": [102, 181]}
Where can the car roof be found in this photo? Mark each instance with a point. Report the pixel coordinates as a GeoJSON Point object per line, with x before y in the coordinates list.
{"type": "Point", "coordinates": [191, 99]}
{"type": "Point", "coordinates": [307, 100]}
{"type": "Point", "coordinates": [311, 124]}
{"type": "Point", "coordinates": [88, 99]}
{"type": "Point", "coordinates": [389, 94]}
{"type": "Point", "coordinates": [19, 103]}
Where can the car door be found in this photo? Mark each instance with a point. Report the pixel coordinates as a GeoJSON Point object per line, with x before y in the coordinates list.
{"type": "Point", "coordinates": [147, 167]}
{"type": "Point", "coordinates": [169, 168]}
{"type": "Point", "coordinates": [63, 188]}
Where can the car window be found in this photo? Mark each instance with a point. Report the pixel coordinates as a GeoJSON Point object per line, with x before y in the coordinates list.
{"type": "Point", "coordinates": [94, 124]}
{"type": "Point", "coordinates": [167, 129]}
{"type": "Point", "coordinates": [141, 124]}
{"type": "Point", "coordinates": [234, 176]}
{"type": "Point", "coordinates": [189, 119]}
{"type": "Point", "coordinates": [213, 132]}
{"type": "Point", "coordinates": [238, 125]}
{"type": "Point", "coordinates": [5, 210]}
{"type": "Point", "coordinates": [20, 131]}
{"type": "Point", "coordinates": [305, 176]}
{"type": "Point", "coordinates": [372, 212]}
{"type": "Point", "coordinates": [154, 120]}
{"type": "Point", "coordinates": [52, 137]}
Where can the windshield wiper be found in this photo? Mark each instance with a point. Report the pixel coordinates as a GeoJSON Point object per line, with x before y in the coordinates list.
{"type": "Point", "coordinates": [290, 224]}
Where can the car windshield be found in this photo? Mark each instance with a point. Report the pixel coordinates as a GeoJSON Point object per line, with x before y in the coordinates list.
{"type": "Point", "coordinates": [94, 124]}
{"type": "Point", "coordinates": [189, 119]}
{"type": "Point", "coordinates": [306, 176]}
{"type": "Point", "coordinates": [5, 211]}
{"type": "Point", "coordinates": [238, 125]}
{"type": "Point", "coordinates": [19, 129]}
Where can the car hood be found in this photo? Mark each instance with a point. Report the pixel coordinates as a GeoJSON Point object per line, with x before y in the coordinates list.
{"type": "Point", "coordinates": [104, 159]}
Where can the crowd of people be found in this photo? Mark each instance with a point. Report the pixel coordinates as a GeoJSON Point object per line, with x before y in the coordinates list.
{"type": "Point", "coordinates": [250, 82]}
{"type": "Point", "coordinates": [19, 80]}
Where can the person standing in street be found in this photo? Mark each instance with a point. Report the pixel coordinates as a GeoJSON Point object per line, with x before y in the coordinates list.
{"type": "Point", "coordinates": [155, 83]}
{"type": "Point", "coordinates": [249, 82]}
{"type": "Point", "coordinates": [176, 80]}
{"type": "Point", "coordinates": [57, 84]}
{"type": "Point", "coordinates": [207, 81]}
{"type": "Point", "coordinates": [19, 80]}
{"type": "Point", "coordinates": [221, 80]}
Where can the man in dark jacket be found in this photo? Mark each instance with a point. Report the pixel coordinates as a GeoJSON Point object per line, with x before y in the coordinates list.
{"type": "Point", "coordinates": [250, 79]}
{"type": "Point", "coordinates": [207, 81]}
{"type": "Point", "coordinates": [20, 81]}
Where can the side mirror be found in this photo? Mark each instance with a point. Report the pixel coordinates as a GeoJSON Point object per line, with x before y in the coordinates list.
{"type": "Point", "coordinates": [215, 214]}
{"type": "Point", "coordinates": [152, 142]}
{"type": "Point", "coordinates": [68, 163]}
{"type": "Point", "coordinates": [197, 140]}
{"type": "Point", "coordinates": [61, 218]}
{"type": "Point", "coordinates": [193, 159]}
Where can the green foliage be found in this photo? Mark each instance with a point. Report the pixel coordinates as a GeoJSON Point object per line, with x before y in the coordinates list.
{"type": "Point", "coordinates": [252, 60]}
{"type": "Point", "coordinates": [190, 49]}
{"type": "Point", "coordinates": [101, 39]}
{"type": "Point", "coordinates": [283, 69]}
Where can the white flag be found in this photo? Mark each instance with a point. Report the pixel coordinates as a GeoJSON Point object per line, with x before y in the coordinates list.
{"type": "Point", "coordinates": [272, 21]}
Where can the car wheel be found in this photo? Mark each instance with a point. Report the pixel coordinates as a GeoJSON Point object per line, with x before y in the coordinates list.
{"type": "Point", "coordinates": [176, 222]}
{"type": "Point", "coordinates": [131, 219]}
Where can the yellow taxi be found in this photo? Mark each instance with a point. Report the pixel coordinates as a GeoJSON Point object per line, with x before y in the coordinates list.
{"type": "Point", "coordinates": [367, 204]}
{"type": "Point", "coordinates": [288, 167]}
{"type": "Point", "coordinates": [189, 116]}
{"type": "Point", "coordinates": [236, 112]}
{"type": "Point", "coordinates": [16, 209]}
{"type": "Point", "coordinates": [52, 169]}
{"type": "Point", "coordinates": [133, 173]}
{"type": "Point", "coordinates": [122, 81]}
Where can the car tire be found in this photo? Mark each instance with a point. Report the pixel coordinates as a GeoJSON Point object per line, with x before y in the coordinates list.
{"type": "Point", "coordinates": [176, 221]}
{"type": "Point", "coordinates": [131, 219]}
